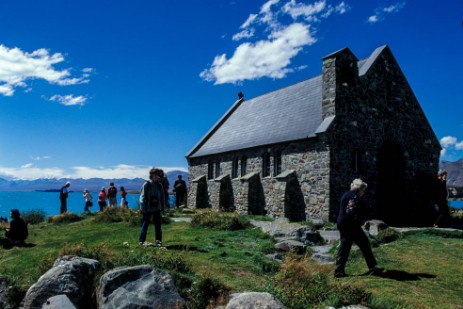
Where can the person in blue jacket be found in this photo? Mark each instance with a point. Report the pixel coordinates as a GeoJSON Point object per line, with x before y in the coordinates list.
{"type": "Point", "coordinates": [351, 216]}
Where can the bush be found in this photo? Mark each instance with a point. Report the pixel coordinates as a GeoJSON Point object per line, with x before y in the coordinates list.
{"type": "Point", "coordinates": [302, 283]}
{"type": "Point", "coordinates": [386, 236]}
{"type": "Point", "coordinates": [207, 292]}
{"type": "Point", "coordinates": [64, 218]}
{"type": "Point", "coordinates": [229, 221]}
{"type": "Point", "coordinates": [34, 216]}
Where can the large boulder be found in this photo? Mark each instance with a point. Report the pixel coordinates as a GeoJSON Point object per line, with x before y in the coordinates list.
{"type": "Point", "coordinates": [71, 276]}
{"type": "Point", "coordinates": [58, 302]}
{"type": "Point", "coordinates": [254, 300]}
{"type": "Point", "coordinates": [137, 287]}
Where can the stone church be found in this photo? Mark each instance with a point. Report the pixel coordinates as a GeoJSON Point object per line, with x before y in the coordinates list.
{"type": "Point", "coordinates": [294, 151]}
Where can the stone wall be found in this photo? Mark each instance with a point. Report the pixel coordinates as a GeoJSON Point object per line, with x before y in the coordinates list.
{"type": "Point", "coordinates": [304, 182]}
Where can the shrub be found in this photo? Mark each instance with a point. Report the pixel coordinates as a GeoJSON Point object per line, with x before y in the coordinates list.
{"type": "Point", "coordinates": [117, 214]}
{"type": "Point", "coordinates": [207, 292]}
{"type": "Point", "coordinates": [229, 221]}
{"type": "Point", "coordinates": [386, 236]}
{"type": "Point", "coordinates": [34, 216]}
{"type": "Point", "coordinates": [64, 218]}
{"type": "Point", "coordinates": [302, 283]}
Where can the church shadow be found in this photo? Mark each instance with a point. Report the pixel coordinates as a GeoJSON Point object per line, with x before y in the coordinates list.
{"type": "Point", "coordinates": [400, 275]}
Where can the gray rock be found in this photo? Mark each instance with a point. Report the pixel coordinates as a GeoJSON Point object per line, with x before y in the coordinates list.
{"type": "Point", "coordinates": [70, 275]}
{"type": "Point", "coordinates": [291, 245]}
{"type": "Point", "coordinates": [137, 287]}
{"type": "Point", "coordinates": [254, 300]}
{"type": "Point", "coordinates": [58, 302]}
{"type": "Point", "coordinates": [373, 227]}
{"type": "Point", "coordinates": [4, 288]}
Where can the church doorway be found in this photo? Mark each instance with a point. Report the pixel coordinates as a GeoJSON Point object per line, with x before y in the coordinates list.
{"type": "Point", "coordinates": [391, 194]}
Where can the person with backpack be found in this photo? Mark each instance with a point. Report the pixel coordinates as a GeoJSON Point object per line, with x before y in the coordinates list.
{"type": "Point", "coordinates": [152, 201]}
{"type": "Point", "coordinates": [63, 197]}
{"type": "Point", "coordinates": [112, 193]}
{"type": "Point", "coordinates": [102, 199]}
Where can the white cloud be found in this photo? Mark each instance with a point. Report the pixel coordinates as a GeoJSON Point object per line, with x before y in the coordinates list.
{"type": "Point", "coordinates": [69, 100]}
{"type": "Point", "coordinates": [271, 56]}
{"type": "Point", "coordinates": [447, 141]}
{"type": "Point", "coordinates": [450, 145]}
{"type": "Point", "coordinates": [17, 67]}
{"type": "Point", "coordinates": [373, 19]}
{"type": "Point", "coordinates": [381, 12]}
{"type": "Point", "coordinates": [268, 58]}
{"type": "Point", "coordinates": [30, 172]}
{"type": "Point", "coordinates": [39, 158]}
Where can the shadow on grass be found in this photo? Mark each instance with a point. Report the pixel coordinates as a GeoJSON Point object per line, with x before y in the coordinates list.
{"type": "Point", "coordinates": [400, 275]}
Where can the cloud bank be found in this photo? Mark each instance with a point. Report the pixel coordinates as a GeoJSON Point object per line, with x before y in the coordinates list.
{"type": "Point", "coordinates": [30, 172]}
{"type": "Point", "coordinates": [271, 56]}
{"type": "Point", "coordinates": [17, 67]}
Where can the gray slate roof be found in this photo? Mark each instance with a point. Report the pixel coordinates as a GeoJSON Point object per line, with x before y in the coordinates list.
{"type": "Point", "coordinates": [287, 114]}
{"type": "Point", "coordinates": [291, 113]}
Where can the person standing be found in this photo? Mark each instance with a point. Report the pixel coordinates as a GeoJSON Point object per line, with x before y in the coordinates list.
{"type": "Point", "coordinates": [88, 200]}
{"type": "Point", "coordinates": [102, 199]}
{"type": "Point", "coordinates": [180, 191]}
{"type": "Point", "coordinates": [151, 204]}
{"type": "Point", "coordinates": [165, 184]}
{"type": "Point", "coordinates": [124, 203]}
{"type": "Point", "coordinates": [350, 219]}
{"type": "Point", "coordinates": [63, 197]}
{"type": "Point", "coordinates": [17, 233]}
{"type": "Point", "coordinates": [441, 200]}
{"type": "Point", "coordinates": [112, 195]}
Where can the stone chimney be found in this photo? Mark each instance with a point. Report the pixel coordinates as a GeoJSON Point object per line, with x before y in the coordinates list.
{"type": "Point", "coordinates": [340, 72]}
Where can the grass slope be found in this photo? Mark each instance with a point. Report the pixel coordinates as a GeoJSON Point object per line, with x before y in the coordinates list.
{"type": "Point", "coordinates": [423, 268]}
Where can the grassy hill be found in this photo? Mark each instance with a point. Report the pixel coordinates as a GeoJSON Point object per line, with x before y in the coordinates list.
{"type": "Point", "coordinates": [423, 268]}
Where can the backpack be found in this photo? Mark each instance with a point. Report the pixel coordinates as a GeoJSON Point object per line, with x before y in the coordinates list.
{"type": "Point", "coordinates": [112, 191]}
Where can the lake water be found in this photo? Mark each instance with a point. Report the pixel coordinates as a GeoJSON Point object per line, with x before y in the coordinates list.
{"type": "Point", "coordinates": [49, 202]}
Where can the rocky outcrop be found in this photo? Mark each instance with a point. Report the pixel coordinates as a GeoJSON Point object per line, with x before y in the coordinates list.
{"type": "Point", "coordinates": [137, 287]}
{"type": "Point", "coordinates": [254, 300]}
{"type": "Point", "coordinates": [59, 302]}
{"type": "Point", "coordinates": [71, 276]}
{"type": "Point", "coordinates": [373, 227]}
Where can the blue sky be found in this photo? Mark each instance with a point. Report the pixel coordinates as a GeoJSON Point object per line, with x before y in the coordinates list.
{"type": "Point", "coordinates": [110, 88]}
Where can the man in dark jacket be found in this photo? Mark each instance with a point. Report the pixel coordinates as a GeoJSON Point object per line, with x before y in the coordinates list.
{"type": "Point", "coordinates": [351, 215]}
{"type": "Point", "coordinates": [63, 197]}
{"type": "Point", "coordinates": [180, 191]}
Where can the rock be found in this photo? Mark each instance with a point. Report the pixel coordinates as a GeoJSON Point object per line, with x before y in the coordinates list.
{"type": "Point", "coordinates": [70, 275]}
{"type": "Point", "coordinates": [254, 300]}
{"type": "Point", "coordinates": [373, 227]}
{"type": "Point", "coordinates": [291, 245]}
{"type": "Point", "coordinates": [58, 302]}
{"type": "Point", "coordinates": [137, 287]}
{"type": "Point", "coordinates": [4, 293]}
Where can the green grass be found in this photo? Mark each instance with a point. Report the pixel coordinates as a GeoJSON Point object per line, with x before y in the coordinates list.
{"type": "Point", "coordinates": [423, 268]}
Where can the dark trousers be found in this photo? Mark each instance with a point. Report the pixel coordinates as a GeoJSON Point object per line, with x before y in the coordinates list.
{"type": "Point", "coordinates": [157, 220]}
{"type": "Point", "coordinates": [179, 198]}
{"type": "Point", "coordinates": [64, 205]}
{"type": "Point", "coordinates": [443, 218]}
{"type": "Point", "coordinates": [353, 234]}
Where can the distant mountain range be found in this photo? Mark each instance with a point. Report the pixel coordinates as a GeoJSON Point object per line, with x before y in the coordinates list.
{"type": "Point", "coordinates": [454, 173]}
{"type": "Point", "coordinates": [92, 184]}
